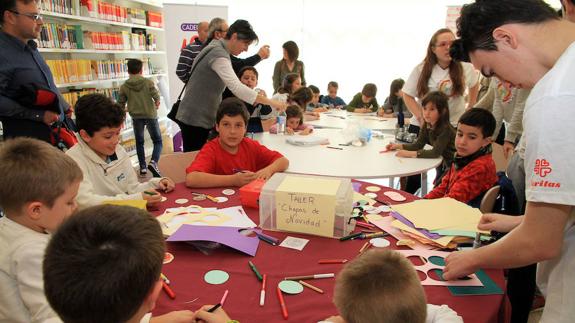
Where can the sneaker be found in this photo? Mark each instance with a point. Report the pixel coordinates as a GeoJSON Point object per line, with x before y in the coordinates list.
{"type": "Point", "coordinates": [143, 172]}
{"type": "Point", "coordinates": [153, 167]}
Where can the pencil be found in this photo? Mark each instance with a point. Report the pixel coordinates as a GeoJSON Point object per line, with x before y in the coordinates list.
{"type": "Point", "coordinates": [331, 147]}
{"type": "Point", "coordinates": [168, 290]}
{"type": "Point", "coordinates": [215, 307]}
{"type": "Point", "coordinates": [310, 286]}
{"type": "Point", "coordinates": [263, 291]}
{"type": "Point", "coordinates": [332, 261]}
{"type": "Point", "coordinates": [255, 270]}
{"type": "Point", "coordinates": [223, 300]}
{"type": "Point", "coordinates": [150, 193]}
{"type": "Point", "coordinates": [316, 276]}
{"type": "Point", "coordinates": [364, 247]}
{"type": "Point", "coordinates": [282, 303]}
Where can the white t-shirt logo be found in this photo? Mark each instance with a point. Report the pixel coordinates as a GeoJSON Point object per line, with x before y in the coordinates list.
{"type": "Point", "coordinates": [542, 167]}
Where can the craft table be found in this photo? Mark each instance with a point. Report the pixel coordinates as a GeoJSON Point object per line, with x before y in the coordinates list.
{"type": "Point", "coordinates": [186, 273]}
{"type": "Point", "coordinates": [365, 162]}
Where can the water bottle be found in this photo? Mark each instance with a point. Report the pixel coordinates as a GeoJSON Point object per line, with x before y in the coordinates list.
{"type": "Point", "coordinates": [282, 117]}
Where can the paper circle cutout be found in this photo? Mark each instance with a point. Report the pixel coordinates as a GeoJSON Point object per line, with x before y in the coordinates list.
{"type": "Point", "coordinates": [228, 192]}
{"type": "Point", "coordinates": [221, 199]}
{"type": "Point", "coordinates": [384, 208]}
{"type": "Point", "coordinates": [216, 277]}
{"type": "Point", "coordinates": [164, 199]}
{"type": "Point", "coordinates": [373, 188]}
{"type": "Point", "coordinates": [436, 260]}
{"type": "Point", "coordinates": [168, 258]}
{"type": "Point", "coordinates": [290, 287]}
{"type": "Point", "coordinates": [181, 201]}
{"type": "Point", "coordinates": [395, 196]}
{"type": "Point", "coordinates": [379, 242]}
{"type": "Point", "coordinates": [370, 195]}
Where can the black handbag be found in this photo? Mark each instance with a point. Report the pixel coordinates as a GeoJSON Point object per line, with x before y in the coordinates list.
{"type": "Point", "coordinates": [176, 106]}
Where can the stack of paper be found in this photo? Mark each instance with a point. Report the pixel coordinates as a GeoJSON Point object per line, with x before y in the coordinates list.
{"type": "Point", "coordinates": [441, 222]}
{"type": "Point", "coordinates": [311, 140]}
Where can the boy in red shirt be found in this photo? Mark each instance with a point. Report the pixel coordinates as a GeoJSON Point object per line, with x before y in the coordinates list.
{"type": "Point", "coordinates": [231, 159]}
{"type": "Point", "coordinates": [473, 170]}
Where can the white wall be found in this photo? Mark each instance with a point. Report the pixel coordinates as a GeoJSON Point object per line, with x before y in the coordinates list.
{"type": "Point", "coordinates": [353, 42]}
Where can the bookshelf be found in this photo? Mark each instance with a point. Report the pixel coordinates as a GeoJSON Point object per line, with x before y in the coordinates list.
{"type": "Point", "coordinates": [86, 44]}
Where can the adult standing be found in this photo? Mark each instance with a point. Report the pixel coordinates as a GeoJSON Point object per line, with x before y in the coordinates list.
{"type": "Point", "coordinates": [217, 29]}
{"type": "Point", "coordinates": [212, 72]}
{"type": "Point", "coordinates": [438, 72]}
{"type": "Point", "coordinates": [202, 33]}
{"type": "Point", "coordinates": [510, 39]}
{"type": "Point", "coordinates": [26, 82]}
{"type": "Point", "coordinates": [288, 64]}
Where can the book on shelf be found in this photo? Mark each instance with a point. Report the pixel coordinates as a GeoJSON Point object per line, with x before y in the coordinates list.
{"type": "Point", "coordinates": [82, 70]}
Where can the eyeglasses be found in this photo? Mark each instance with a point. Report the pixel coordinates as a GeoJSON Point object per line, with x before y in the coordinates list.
{"type": "Point", "coordinates": [33, 16]}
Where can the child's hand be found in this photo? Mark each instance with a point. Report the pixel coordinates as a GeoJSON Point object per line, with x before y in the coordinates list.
{"type": "Point", "coordinates": [498, 222]}
{"type": "Point", "coordinates": [392, 146]}
{"type": "Point", "coordinates": [152, 199]}
{"type": "Point", "coordinates": [166, 184]}
{"type": "Point", "coordinates": [175, 317]}
{"type": "Point", "coordinates": [262, 92]}
{"type": "Point", "coordinates": [243, 178]}
{"type": "Point", "coordinates": [264, 173]}
{"type": "Point", "coordinates": [218, 316]}
{"type": "Point", "coordinates": [157, 104]}
{"type": "Point", "coordinates": [306, 131]}
{"type": "Point", "coordinates": [289, 131]}
{"type": "Point", "coordinates": [406, 153]}
{"type": "Point", "coordinates": [320, 110]}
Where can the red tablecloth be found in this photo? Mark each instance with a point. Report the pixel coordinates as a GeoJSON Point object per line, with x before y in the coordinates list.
{"type": "Point", "coordinates": [187, 270]}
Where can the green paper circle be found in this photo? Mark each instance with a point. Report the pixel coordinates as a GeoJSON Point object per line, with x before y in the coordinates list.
{"type": "Point", "coordinates": [436, 260]}
{"type": "Point", "coordinates": [216, 277]}
{"type": "Point", "coordinates": [290, 287]}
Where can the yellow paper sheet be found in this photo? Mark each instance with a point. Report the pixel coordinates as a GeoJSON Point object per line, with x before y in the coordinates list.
{"type": "Point", "coordinates": [444, 241]}
{"type": "Point", "coordinates": [172, 221]}
{"type": "Point", "coordinates": [360, 197]}
{"type": "Point", "coordinates": [306, 205]}
{"type": "Point", "coordinates": [139, 204]}
{"type": "Point", "coordinates": [440, 213]}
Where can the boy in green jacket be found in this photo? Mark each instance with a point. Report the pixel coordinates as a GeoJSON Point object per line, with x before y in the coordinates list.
{"type": "Point", "coordinates": [143, 100]}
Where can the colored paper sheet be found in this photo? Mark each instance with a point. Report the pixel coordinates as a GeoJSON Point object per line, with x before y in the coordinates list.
{"type": "Point", "coordinates": [139, 204]}
{"type": "Point", "coordinates": [307, 205]}
{"type": "Point", "coordinates": [439, 214]}
{"type": "Point", "coordinates": [443, 241]}
{"type": "Point", "coordinates": [489, 287]}
{"type": "Point", "coordinates": [461, 233]}
{"type": "Point", "coordinates": [360, 197]}
{"type": "Point", "coordinates": [235, 217]}
{"type": "Point", "coordinates": [405, 221]}
{"type": "Point", "coordinates": [384, 223]}
{"type": "Point", "coordinates": [228, 236]}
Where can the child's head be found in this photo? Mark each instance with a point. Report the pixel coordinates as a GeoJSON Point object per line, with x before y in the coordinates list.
{"type": "Point", "coordinates": [315, 91]}
{"type": "Point", "coordinates": [103, 265]}
{"type": "Point", "coordinates": [294, 116]}
{"type": "Point", "coordinates": [291, 51]}
{"type": "Point", "coordinates": [380, 286]}
{"type": "Point", "coordinates": [99, 121]}
{"type": "Point", "coordinates": [302, 97]}
{"type": "Point", "coordinates": [249, 76]}
{"type": "Point", "coordinates": [332, 89]}
{"type": "Point", "coordinates": [290, 83]}
{"type": "Point", "coordinates": [231, 122]}
{"type": "Point", "coordinates": [395, 88]}
{"type": "Point", "coordinates": [368, 92]}
{"type": "Point", "coordinates": [435, 109]}
{"type": "Point", "coordinates": [134, 66]}
{"type": "Point", "coordinates": [474, 131]}
{"type": "Point", "coordinates": [39, 183]}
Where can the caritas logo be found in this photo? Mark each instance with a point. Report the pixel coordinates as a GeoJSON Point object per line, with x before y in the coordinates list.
{"type": "Point", "coordinates": [543, 168]}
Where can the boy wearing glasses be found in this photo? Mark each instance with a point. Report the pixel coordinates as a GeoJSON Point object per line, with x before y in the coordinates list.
{"type": "Point", "coordinates": [24, 69]}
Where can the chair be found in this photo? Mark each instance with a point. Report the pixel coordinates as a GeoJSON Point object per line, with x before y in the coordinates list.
{"type": "Point", "coordinates": [488, 200]}
{"type": "Point", "coordinates": [174, 165]}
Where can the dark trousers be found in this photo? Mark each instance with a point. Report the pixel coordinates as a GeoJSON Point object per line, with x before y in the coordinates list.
{"type": "Point", "coordinates": [194, 138]}
{"type": "Point", "coordinates": [521, 290]}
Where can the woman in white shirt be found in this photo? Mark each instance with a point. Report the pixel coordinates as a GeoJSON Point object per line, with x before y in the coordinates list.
{"type": "Point", "coordinates": [438, 72]}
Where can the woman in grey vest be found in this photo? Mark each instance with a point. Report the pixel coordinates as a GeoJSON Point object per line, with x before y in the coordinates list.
{"type": "Point", "coordinates": [211, 73]}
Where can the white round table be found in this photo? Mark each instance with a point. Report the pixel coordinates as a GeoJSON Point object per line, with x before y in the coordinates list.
{"type": "Point", "coordinates": [335, 119]}
{"type": "Point", "coordinates": [365, 162]}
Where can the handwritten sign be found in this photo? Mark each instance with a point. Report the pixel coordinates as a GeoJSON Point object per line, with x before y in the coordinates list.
{"type": "Point", "coordinates": [307, 205]}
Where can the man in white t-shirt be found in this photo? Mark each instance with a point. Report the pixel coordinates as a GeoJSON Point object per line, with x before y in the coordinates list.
{"type": "Point", "coordinates": [511, 39]}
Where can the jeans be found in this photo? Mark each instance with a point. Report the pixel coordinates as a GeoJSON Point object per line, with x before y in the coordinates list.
{"type": "Point", "coordinates": [155, 134]}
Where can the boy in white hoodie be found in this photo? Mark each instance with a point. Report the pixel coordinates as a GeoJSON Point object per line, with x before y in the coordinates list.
{"type": "Point", "coordinates": [107, 168]}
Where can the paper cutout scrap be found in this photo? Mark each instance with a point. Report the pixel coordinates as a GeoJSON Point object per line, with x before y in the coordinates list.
{"type": "Point", "coordinates": [228, 236]}
{"type": "Point", "coordinates": [294, 243]}
{"type": "Point", "coordinates": [216, 277]}
{"type": "Point", "coordinates": [290, 287]}
{"type": "Point", "coordinates": [429, 266]}
{"type": "Point", "coordinates": [384, 223]}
